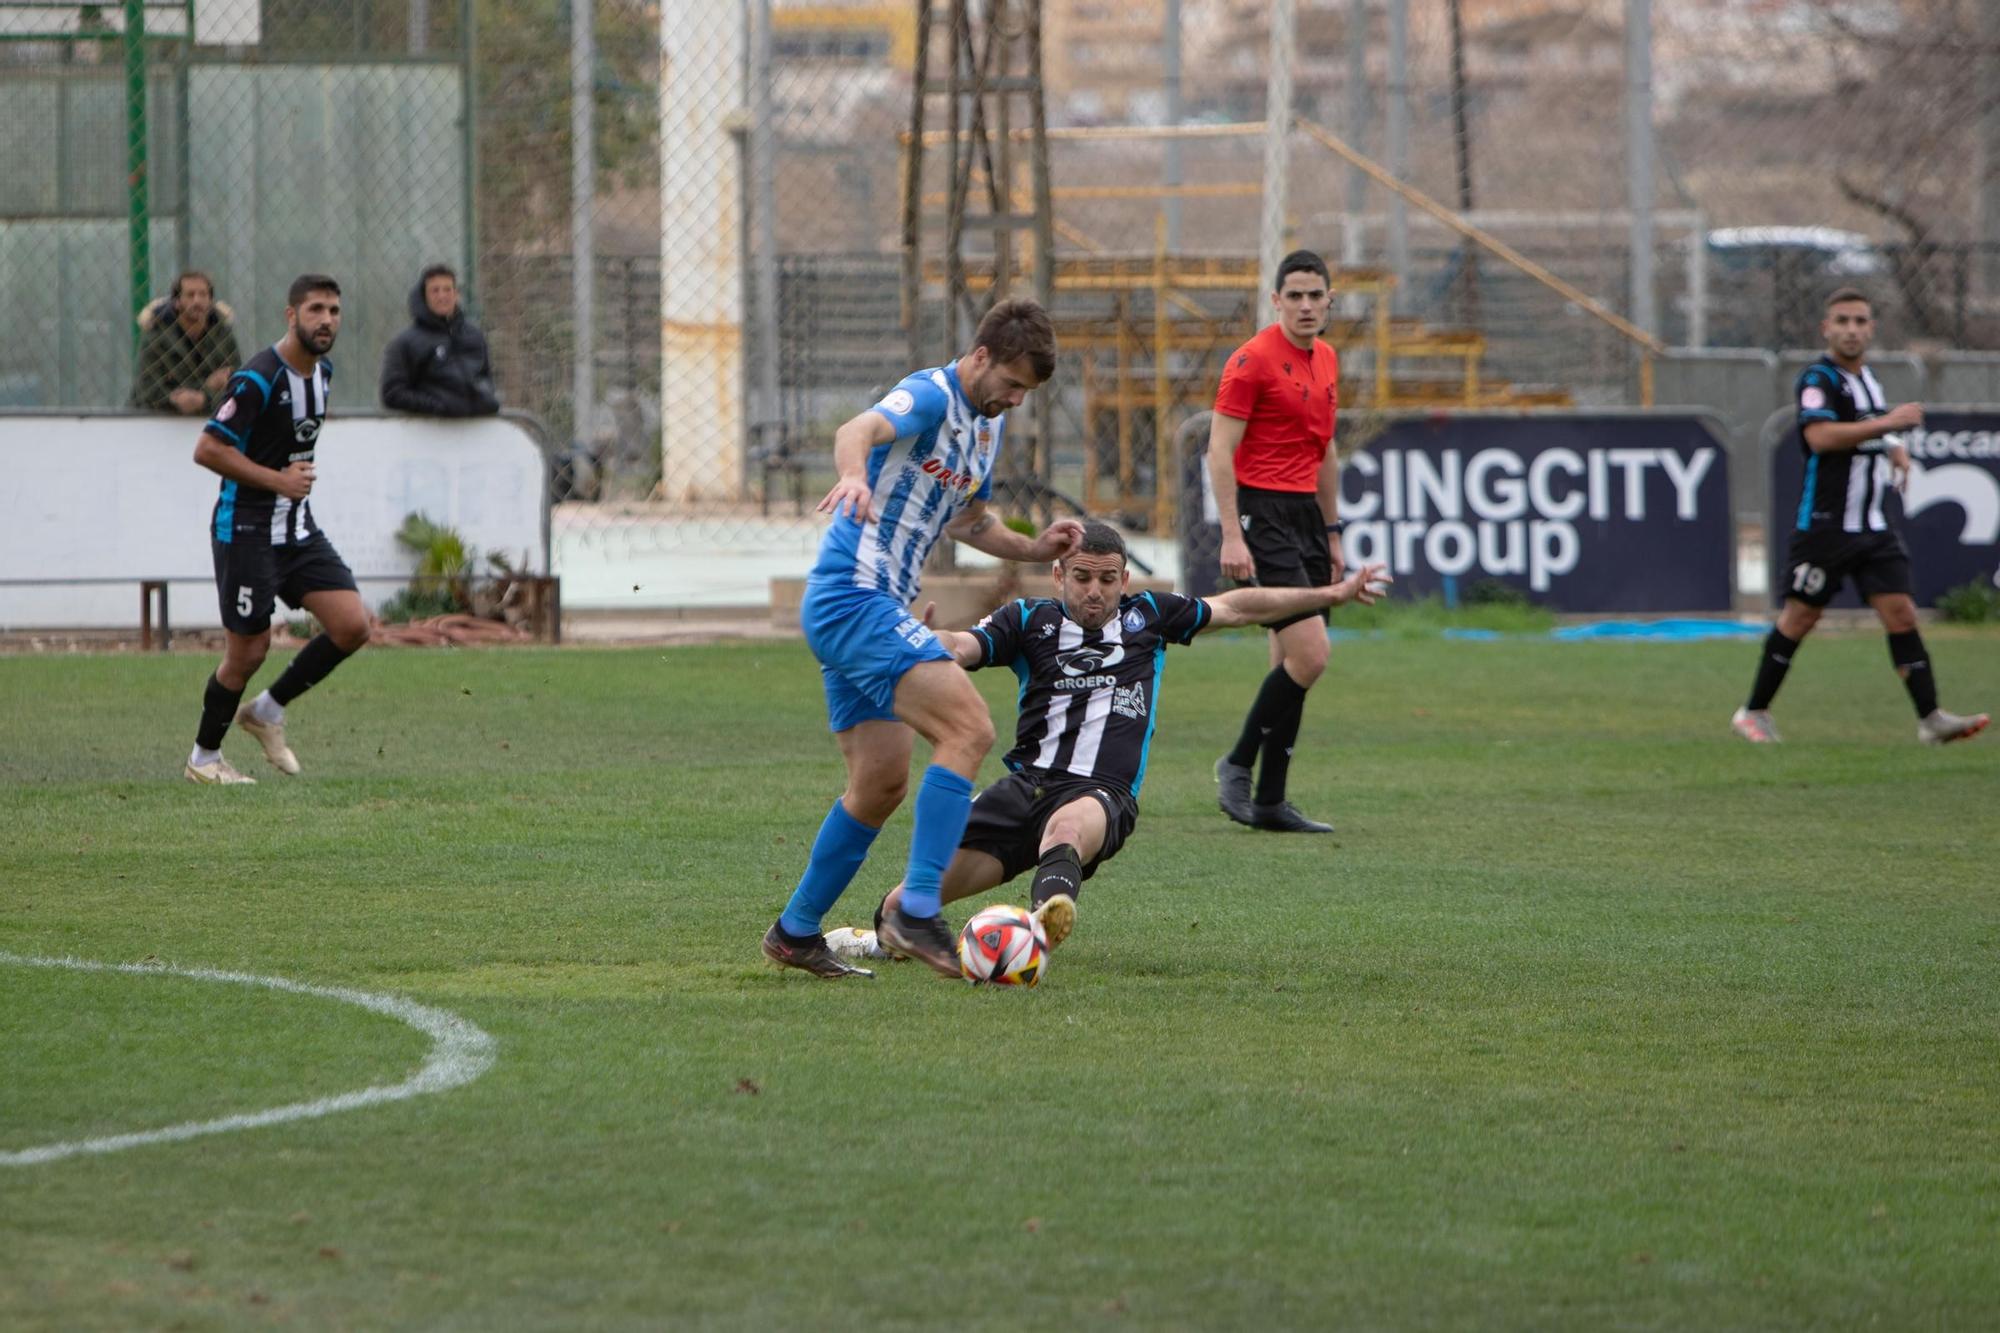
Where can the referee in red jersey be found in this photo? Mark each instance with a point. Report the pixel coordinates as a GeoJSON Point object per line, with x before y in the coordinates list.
{"type": "Point", "coordinates": [1277, 493]}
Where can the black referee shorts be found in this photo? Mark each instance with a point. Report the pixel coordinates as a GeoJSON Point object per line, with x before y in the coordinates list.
{"type": "Point", "coordinates": [250, 575]}
{"type": "Point", "coordinates": [1820, 561]}
{"type": "Point", "coordinates": [1286, 534]}
{"type": "Point", "coordinates": [1007, 820]}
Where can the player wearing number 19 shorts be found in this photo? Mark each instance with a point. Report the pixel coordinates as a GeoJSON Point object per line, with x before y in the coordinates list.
{"type": "Point", "coordinates": [1854, 458]}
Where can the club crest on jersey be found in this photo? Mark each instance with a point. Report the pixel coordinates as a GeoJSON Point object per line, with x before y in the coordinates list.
{"type": "Point", "coordinates": [1135, 620]}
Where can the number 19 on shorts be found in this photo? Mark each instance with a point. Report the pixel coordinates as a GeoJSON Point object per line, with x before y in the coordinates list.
{"type": "Point", "coordinates": [1807, 579]}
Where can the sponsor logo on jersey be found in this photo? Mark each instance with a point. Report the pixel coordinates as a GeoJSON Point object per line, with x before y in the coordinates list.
{"type": "Point", "coordinates": [1085, 683]}
{"type": "Point", "coordinates": [963, 482]}
{"type": "Point", "coordinates": [305, 430]}
{"type": "Point", "coordinates": [1090, 658]}
{"type": "Point", "coordinates": [1129, 701]}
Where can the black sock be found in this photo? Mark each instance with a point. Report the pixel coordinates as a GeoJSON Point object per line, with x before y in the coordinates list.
{"type": "Point", "coordinates": [1906, 650]}
{"type": "Point", "coordinates": [1280, 735]}
{"type": "Point", "coordinates": [1060, 871]}
{"type": "Point", "coordinates": [218, 710]}
{"type": "Point", "coordinates": [314, 663]}
{"type": "Point", "coordinates": [1771, 669]}
{"type": "Point", "coordinates": [1270, 702]}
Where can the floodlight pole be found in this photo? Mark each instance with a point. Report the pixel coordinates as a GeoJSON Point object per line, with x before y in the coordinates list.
{"type": "Point", "coordinates": [582, 201]}
{"type": "Point", "coordinates": [1639, 157]}
{"type": "Point", "coordinates": [138, 216]}
{"type": "Point", "coordinates": [1277, 128]}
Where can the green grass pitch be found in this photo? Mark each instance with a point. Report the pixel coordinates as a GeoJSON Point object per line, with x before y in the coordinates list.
{"type": "Point", "coordinates": [1589, 1017]}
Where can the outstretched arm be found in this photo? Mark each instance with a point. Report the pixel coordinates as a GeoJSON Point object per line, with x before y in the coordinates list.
{"type": "Point", "coordinates": [964, 648]}
{"type": "Point", "coordinates": [1255, 606]}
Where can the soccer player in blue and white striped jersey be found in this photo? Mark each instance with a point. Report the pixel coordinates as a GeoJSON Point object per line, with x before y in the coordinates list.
{"type": "Point", "coordinates": [914, 467]}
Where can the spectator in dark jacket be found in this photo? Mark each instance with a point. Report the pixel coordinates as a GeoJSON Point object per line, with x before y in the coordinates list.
{"type": "Point", "coordinates": [187, 350]}
{"type": "Point", "coordinates": [439, 366]}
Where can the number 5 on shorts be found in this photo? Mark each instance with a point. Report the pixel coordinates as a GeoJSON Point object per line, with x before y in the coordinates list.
{"type": "Point", "coordinates": [243, 601]}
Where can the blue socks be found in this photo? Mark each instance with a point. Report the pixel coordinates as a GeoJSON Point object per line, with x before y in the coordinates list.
{"type": "Point", "coordinates": [943, 804]}
{"type": "Point", "coordinates": [837, 853]}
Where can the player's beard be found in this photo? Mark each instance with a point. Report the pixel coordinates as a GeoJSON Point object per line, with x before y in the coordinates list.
{"type": "Point", "coordinates": [311, 341]}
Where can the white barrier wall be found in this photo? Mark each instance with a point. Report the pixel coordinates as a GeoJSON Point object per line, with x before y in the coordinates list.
{"type": "Point", "coordinates": [120, 497]}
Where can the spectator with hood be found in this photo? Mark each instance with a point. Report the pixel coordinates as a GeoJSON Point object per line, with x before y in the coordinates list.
{"type": "Point", "coordinates": [439, 366]}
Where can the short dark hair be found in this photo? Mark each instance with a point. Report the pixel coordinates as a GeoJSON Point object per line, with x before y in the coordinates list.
{"type": "Point", "coordinates": [1843, 295]}
{"type": "Point", "coordinates": [437, 271]}
{"type": "Point", "coordinates": [1017, 329]}
{"type": "Point", "coordinates": [187, 273]}
{"type": "Point", "coordinates": [306, 284]}
{"type": "Point", "coordinates": [1101, 539]}
{"type": "Point", "coordinates": [1300, 261]}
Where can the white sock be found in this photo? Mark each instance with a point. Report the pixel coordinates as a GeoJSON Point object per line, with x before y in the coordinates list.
{"type": "Point", "coordinates": [267, 710]}
{"type": "Point", "coordinates": [201, 756]}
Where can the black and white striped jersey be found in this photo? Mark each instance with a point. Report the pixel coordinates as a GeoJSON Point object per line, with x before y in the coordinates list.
{"type": "Point", "coordinates": [1088, 697]}
{"type": "Point", "coordinates": [273, 415]}
{"type": "Point", "coordinates": [1844, 488]}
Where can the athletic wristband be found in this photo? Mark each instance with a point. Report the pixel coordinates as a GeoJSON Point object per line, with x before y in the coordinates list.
{"type": "Point", "coordinates": [1338, 526]}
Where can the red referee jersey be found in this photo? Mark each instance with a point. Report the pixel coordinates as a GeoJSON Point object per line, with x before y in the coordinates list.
{"type": "Point", "coordinates": [1288, 395]}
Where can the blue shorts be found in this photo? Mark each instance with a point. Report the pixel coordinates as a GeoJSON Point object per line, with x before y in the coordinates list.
{"type": "Point", "coordinates": [864, 642]}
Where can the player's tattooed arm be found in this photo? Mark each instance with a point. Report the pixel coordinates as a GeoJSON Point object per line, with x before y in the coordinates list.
{"type": "Point", "coordinates": [981, 529]}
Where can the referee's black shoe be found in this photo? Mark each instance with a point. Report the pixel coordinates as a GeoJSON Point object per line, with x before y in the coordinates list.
{"type": "Point", "coordinates": [1232, 783]}
{"type": "Point", "coordinates": [1284, 817]}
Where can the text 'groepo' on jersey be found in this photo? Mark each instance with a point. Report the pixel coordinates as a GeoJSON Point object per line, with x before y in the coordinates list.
{"type": "Point", "coordinates": [272, 414]}
{"type": "Point", "coordinates": [1088, 697]}
{"type": "Point", "coordinates": [1844, 488]}
{"type": "Point", "coordinates": [940, 461]}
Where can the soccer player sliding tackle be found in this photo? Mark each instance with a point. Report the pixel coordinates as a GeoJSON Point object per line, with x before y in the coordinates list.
{"type": "Point", "coordinates": [1091, 660]}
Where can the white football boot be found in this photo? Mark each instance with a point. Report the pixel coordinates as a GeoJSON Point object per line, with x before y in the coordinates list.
{"type": "Point", "coordinates": [1941, 728]}
{"type": "Point", "coordinates": [852, 942]}
{"type": "Point", "coordinates": [219, 772]}
{"type": "Point", "coordinates": [1754, 727]}
{"type": "Point", "coordinates": [270, 735]}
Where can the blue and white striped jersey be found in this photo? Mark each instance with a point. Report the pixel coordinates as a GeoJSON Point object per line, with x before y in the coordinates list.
{"type": "Point", "coordinates": [941, 459]}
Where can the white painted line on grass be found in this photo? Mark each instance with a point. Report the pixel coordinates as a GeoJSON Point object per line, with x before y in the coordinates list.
{"type": "Point", "coordinates": [460, 1053]}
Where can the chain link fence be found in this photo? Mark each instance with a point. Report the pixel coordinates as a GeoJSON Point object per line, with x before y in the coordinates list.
{"type": "Point", "coordinates": [690, 276]}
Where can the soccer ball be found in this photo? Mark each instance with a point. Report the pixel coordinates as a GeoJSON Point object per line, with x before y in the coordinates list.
{"type": "Point", "coordinates": [1003, 945]}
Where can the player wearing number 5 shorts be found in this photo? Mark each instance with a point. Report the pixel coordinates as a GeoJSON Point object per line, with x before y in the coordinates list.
{"type": "Point", "coordinates": [266, 543]}
{"type": "Point", "coordinates": [1854, 457]}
